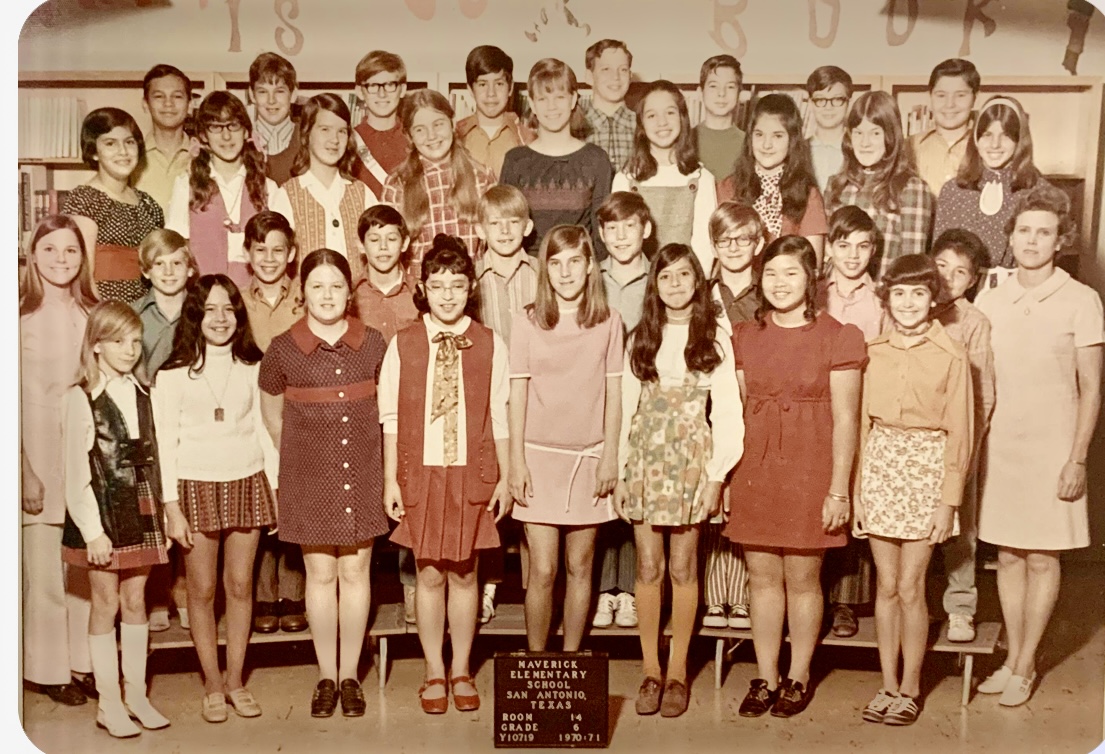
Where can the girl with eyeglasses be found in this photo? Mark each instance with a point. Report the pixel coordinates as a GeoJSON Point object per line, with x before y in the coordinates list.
{"type": "Point", "coordinates": [112, 145]}
{"type": "Point", "coordinates": [322, 201]}
{"type": "Point", "coordinates": [225, 186]}
{"type": "Point", "coordinates": [446, 456]}
{"type": "Point", "coordinates": [774, 174]}
{"type": "Point", "coordinates": [438, 187]}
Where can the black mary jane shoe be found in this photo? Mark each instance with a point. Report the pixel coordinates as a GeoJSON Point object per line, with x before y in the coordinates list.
{"type": "Point", "coordinates": [68, 694]}
{"type": "Point", "coordinates": [759, 699]}
{"type": "Point", "coordinates": [352, 698]}
{"type": "Point", "coordinates": [793, 698]}
{"type": "Point", "coordinates": [87, 685]}
{"type": "Point", "coordinates": [325, 699]}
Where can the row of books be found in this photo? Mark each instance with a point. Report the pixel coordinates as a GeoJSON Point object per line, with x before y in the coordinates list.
{"type": "Point", "coordinates": [49, 126]}
{"type": "Point", "coordinates": [36, 200]}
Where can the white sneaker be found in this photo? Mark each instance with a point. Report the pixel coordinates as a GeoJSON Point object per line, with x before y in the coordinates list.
{"type": "Point", "coordinates": [182, 613]}
{"type": "Point", "coordinates": [714, 617]}
{"type": "Point", "coordinates": [1017, 691]}
{"type": "Point", "coordinates": [604, 615]}
{"type": "Point", "coordinates": [738, 617]}
{"type": "Point", "coordinates": [997, 681]}
{"type": "Point", "coordinates": [159, 619]}
{"type": "Point", "coordinates": [487, 608]}
{"type": "Point", "coordinates": [961, 627]}
{"type": "Point", "coordinates": [625, 614]}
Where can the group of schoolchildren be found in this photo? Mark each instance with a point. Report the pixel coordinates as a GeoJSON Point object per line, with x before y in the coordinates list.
{"type": "Point", "coordinates": [593, 315]}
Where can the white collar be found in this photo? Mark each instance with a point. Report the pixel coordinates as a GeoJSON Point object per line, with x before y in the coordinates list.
{"type": "Point", "coordinates": [103, 382]}
{"type": "Point", "coordinates": [457, 328]}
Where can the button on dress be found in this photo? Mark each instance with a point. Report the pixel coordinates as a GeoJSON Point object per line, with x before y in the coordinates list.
{"type": "Point", "coordinates": [331, 447]}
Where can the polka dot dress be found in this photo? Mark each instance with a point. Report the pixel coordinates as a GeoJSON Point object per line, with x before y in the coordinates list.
{"type": "Point", "coordinates": [117, 224]}
{"type": "Point", "coordinates": [330, 490]}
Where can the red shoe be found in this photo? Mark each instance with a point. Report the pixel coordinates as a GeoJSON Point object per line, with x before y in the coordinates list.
{"type": "Point", "coordinates": [464, 703]}
{"type": "Point", "coordinates": [433, 706]}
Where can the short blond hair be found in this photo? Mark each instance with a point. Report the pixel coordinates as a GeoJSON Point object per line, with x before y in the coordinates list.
{"type": "Point", "coordinates": [161, 243]}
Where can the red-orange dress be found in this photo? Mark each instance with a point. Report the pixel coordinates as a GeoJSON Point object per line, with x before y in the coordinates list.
{"type": "Point", "coordinates": [779, 487]}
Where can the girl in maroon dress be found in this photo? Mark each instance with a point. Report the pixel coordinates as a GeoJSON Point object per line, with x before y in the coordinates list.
{"type": "Point", "coordinates": [445, 459]}
{"type": "Point", "coordinates": [318, 397]}
{"type": "Point", "coordinates": [800, 376]}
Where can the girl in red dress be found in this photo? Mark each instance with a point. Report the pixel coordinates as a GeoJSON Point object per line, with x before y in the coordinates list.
{"type": "Point", "coordinates": [800, 376]}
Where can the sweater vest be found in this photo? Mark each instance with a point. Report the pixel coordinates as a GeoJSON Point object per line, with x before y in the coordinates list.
{"type": "Point", "coordinates": [310, 222]}
{"type": "Point", "coordinates": [482, 469]}
{"type": "Point", "coordinates": [209, 229]}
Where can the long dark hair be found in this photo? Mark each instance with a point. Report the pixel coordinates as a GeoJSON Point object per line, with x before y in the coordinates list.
{"type": "Point", "coordinates": [894, 170]}
{"type": "Point", "coordinates": [1014, 124]}
{"type": "Point", "coordinates": [641, 165]}
{"type": "Point", "coordinates": [801, 249]}
{"type": "Point", "coordinates": [331, 103]}
{"type": "Point", "coordinates": [224, 106]}
{"type": "Point", "coordinates": [797, 179]}
{"type": "Point", "coordinates": [189, 345]}
{"type": "Point", "coordinates": [701, 354]}
{"type": "Point", "coordinates": [448, 254]}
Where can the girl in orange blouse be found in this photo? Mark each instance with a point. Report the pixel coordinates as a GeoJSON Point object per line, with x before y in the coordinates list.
{"type": "Point", "coordinates": [915, 450]}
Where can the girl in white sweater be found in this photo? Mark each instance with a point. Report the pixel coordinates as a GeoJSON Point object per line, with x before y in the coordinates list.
{"type": "Point", "coordinates": [216, 463]}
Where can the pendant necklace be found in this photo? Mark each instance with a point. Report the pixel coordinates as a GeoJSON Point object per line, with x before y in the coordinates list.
{"type": "Point", "coordinates": [220, 413]}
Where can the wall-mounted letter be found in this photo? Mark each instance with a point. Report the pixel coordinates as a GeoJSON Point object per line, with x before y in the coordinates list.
{"type": "Point", "coordinates": [725, 17]}
{"type": "Point", "coordinates": [972, 14]}
{"type": "Point", "coordinates": [893, 38]}
{"type": "Point", "coordinates": [826, 40]}
{"type": "Point", "coordinates": [297, 36]}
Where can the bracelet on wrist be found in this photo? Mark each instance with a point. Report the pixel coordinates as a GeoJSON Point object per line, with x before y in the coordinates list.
{"type": "Point", "coordinates": [840, 498]}
{"type": "Point", "coordinates": [1080, 463]}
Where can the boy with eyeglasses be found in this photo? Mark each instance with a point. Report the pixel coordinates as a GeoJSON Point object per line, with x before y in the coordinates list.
{"type": "Point", "coordinates": [720, 140]}
{"type": "Point", "coordinates": [272, 90]}
{"type": "Point", "coordinates": [493, 130]}
{"type": "Point", "coordinates": [379, 140]}
{"type": "Point", "coordinates": [830, 90]}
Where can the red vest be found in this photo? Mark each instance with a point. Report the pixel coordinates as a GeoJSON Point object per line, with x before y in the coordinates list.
{"type": "Point", "coordinates": [482, 469]}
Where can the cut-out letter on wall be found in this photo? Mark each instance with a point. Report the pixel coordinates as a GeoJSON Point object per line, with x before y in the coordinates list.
{"type": "Point", "coordinates": [235, 33]}
{"type": "Point", "coordinates": [893, 37]}
{"type": "Point", "coordinates": [473, 8]}
{"type": "Point", "coordinates": [725, 18]}
{"type": "Point", "coordinates": [297, 36]}
{"type": "Point", "coordinates": [970, 16]}
{"type": "Point", "coordinates": [422, 9]}
{"type": "Point", "coordinates": [824, 40]}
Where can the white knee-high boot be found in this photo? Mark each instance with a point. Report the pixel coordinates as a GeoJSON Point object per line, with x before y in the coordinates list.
{"type": "Point", "coordinates": [105, 667]}
{"type": "Point", "coordinates": [134, 638]}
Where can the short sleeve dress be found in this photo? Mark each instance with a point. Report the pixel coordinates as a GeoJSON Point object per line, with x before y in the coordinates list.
{"type": "Point", "coordinates": [331, 476]}
{"type": "Point", "coordinates": [566, 369]}
{"type": "Point", "coordinates": [120, 227]}
{"type": "Point", "coordinates": [779, 487]}
{"type": "Point", "coordinates": [1035, 334]}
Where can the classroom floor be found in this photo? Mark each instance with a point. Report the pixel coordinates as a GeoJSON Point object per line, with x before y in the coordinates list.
{"type": "Point", "coordinates": [1064, 715]}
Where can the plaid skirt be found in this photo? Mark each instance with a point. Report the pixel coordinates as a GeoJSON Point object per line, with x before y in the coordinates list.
{"type": "Point", "coordinates": [214, 506]}
{"type": "Point", "coordinates": [150, 552]}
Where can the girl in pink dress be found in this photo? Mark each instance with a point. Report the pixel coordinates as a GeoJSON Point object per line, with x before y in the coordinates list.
{"type": "Point", "coordinates": [55, 295]}
{"type": "Point", "coordinates": [565, 416]}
